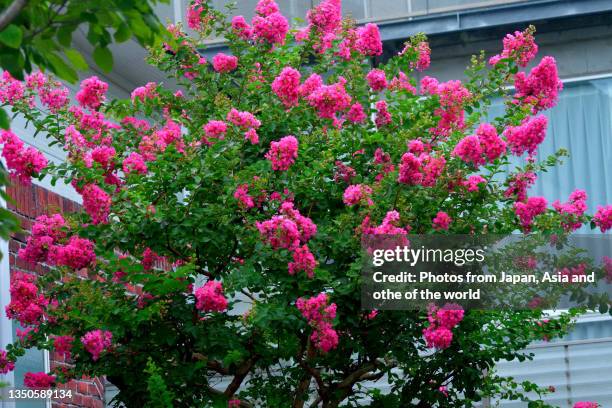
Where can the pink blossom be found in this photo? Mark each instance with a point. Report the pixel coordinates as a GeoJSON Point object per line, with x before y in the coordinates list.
{"type": "Point", "coordinates": [241, 28]}
{"type": "Point", "coordinates": [484, 146]}
{"type": "Point", "coordinates": [96, 342]}
{"type": "Point", "coordinates": [215, 129]}
{"type": "Point", "coordinates": [194, 15]}
{"type": "Point", "coordinates": [225, 63]}
{"type": "Point", "coordinates": [6, 365]}
{"type": "Point", "coordinates": [344, 172]}
{"type": "Point", "coordinates": [377, 80]}
{"type": "Point", "coordinates": [63, 345]}
{"type": "Point", "coordinates": [519, 184]}
{"type": "Point", "coordinates": [586, 404]}
{"type": "Point", "coordinates": [283, 153]}
{"type": "Point", "coordinates": [320, 315]}
{"type": "Point", "coordinates": [54, 97]}
{"type": "Point", "coordinates": [311, 84]}
{"type": "Point", "coordinates": [326, 16]}
{"type": "Point", "coordinates": [527, 136]}
{"type": "Point", "coordinates": [423, 55]}
{"type": "Point", "coordinates": [38, 380]}
{"type": "Point", "coordinates": [422, 170]}
{"type": "Point", "coordinates": [401, 82]}
{"type": "Point", "coordinates": [242, 195]}
{"type": "Point", "coordinates": [541, 88]}
{"type": "Point", "coordinates": [521, 47]}
{"type": "Point", "coordinates": [527, 211]}
{"type": "Point", "coordinates": [243, 120]}
{"type": "Point", "coordinates": [266, 7]}
{"type": "Point", "coordinates": [603, 218]}
{"type": "Point", "coordinates": [45, 233]}
{"type": "Point", "coordinates": [149, 91]}
{"type": "Point", "coordinates": [473, 182]}
{"type": "Point", "coordinates": [23, 162]}
{"type": "Point", "coordinates": [438, 337]}
{"type": "Point", "coordinates": [233, 403]}
{"type": "Point", "coordinates": [103, 155]}
{"type": "Point", "coordinates": [134, 163]}
{"type": "Point", "coordinates": [330, 99]}
{"type": "Point", "coordinates": [368, 40]}
{"type": "Point", "coordinates": [441, 221]}
{"type": "Point", "coordinates": [303, 260]}
{"type": "Point", "coordinates": [356, 194]}
{"type": "Point", "coordinates": [288, 229]}
{"type": "Point", "coordinates": [26, 305]}
{"type": "Point", "coordinates": [11, 90]}
{"type": "Point", "coordinates": [416, 147]}
{"type": "Point", "coordinates": [92, 93]}
{"type": "Point", "coordinates": [271, 28]}
{"type": "Point", "coordinates": [387, 227]}
{"type": "Point", "coordinates": [356, 114]}
{"type": "Point", "coordinates": [96, 203]}
{"type": "Point", "coordinates": [209, 298]}
{"type": "Point", "coordinates": [77, 254]}
{"type": "Point", "coordinates": [286, 86]}
{"type": "Point", "coordinates": [573, 210]}
{"type": "Point", "coordinates": [441, 321]}
{"type": "Point", "coordinates": [383, 117]}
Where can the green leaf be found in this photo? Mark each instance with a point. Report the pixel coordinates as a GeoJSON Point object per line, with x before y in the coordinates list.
{"type": "Point", "coordinates": [104, 58]}
{"type": "Point", "coordinates": [76, 58]}
{"type": "Point", "coordinates": [62, 69]}
{"type": "Point", "coordinates": [5, 121]}
{"type": "Point", "coordinates": [11, 36]}
{"type": "Point", "coordinates": [123, 33]}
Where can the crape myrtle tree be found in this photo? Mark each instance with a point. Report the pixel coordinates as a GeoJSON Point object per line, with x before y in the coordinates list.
{"type": "Point", "coordinates": [251, 188]}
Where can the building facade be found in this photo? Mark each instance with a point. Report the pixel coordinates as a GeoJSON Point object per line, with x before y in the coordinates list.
{"type": "Point", "coordinates": [578, 33]}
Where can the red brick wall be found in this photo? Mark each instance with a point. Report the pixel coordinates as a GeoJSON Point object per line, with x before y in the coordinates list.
{"type": "Point", "coordinates": [29, 203]}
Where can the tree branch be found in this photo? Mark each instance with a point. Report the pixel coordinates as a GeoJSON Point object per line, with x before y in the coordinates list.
{"type": "Point", "coordinates": [11, 13]}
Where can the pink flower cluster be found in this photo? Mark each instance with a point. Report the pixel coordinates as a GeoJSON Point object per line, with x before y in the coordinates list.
{"type": "Point", "coordinates": [11, 90]}
{"type": "Point", "coordinates": [92, 93]}
{"type": "Point", "coordinates": [473, 183]}
{"type": "Point", "coordinates": [441, 322]}
{"type": "Point", "coordinates": [441, 221]}
{"type": "Point", "coordinates": [142, 93]}
{"type": "Point", "coordinates": [27, 305]}
{"type": "Point", "coordinates": [484, 146]}
{"type": "Point", "coordinates": [51, 93]}
{"type": "Point", "coordinates": [518, 185]}
{"type": "Point", "coordinates": [521, 47]}
{"type": "Point", "coordinates": [96, 203]}
{"type": "Point", "coordinates": [245, 121]}
{"type": "Point", "coordinates": [224, 63]}
{"type": "Point", "coordinates": [453, 95]}
{"type": "Point", "coordinates": [541, 88]}
{"type": "Point", "coordinates": [368, 40]}
{"type": "Point", "coordinates": [23, 162]}
{"type": "Point", "coordinates": [286, 86]}
{"type": "Point", "coordinates": [46, 231]}
{"type": "Point", "coordinates": [303, 260]}
{"type": "Point", "coordinates": [194, 15]}
{"type": "Point", "coordinates": [573, 210]}
{"type": "Point", "coordinates": [6, 365]}
{"type": "Point", "coordinates": [527, 136]}
{"type": "Point", "coordinates": [387, 227]}
{"type": "Point", "coordinates": [603, 218]}
{"type": "Point", "coordinates": [383, 116]}
{"type": "Point", "coordinates": [78, 253]}
{"type": "Point", "coordinates": [528, 210]}
{"type": "Point", "coordinates": [291, 230]}
{"type": "Point", "coordinates": [326, 17]}
{"type": "Point", "coordinates": [134, 163]}
{"type": "Point", "coordinates": [241, 28]}
{"type": "Point", "coordinates": [421, 170]}
{"type": "Point", "coordinates": [402, 82]}
{"type": "Point", "coordinates": [320, 315]}
{"type": "Point", "coordinates": [44, 245]}
{"type": "Point", "coordinates": [358, 194]}
{"type": "Point", "coordinates": [242, 195]}
{"type": "Point", "coordinates": [269, 24]}
{"type": "Point", "coordinates": [423, 55]}
{"type": "Point", "coordinates": [586, 404]}
{"type": "Point", "coordinates": [327, 99]}
{"type": "Point", "coordinates": [283, 153]}
{"type": "Point", "coordinates": [377, 80]}
{"type": "Point", "coordinates": [38, 381]}
{"type": "Point", "coordinates": [215, 129]}
{"type": "Point", "coordinates": [210, 298]}
{"type": "Point", "coordinates": [63, 345]}
{"type": "Point", "coordinates": [96, 342]}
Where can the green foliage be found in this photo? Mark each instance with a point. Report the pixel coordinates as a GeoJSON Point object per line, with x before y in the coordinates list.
{"type": "Point", "coordinates": [160, 396]}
